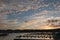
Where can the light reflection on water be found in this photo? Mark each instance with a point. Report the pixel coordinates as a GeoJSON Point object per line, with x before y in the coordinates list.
{"type": "Point", "coordinates": [10, 36]}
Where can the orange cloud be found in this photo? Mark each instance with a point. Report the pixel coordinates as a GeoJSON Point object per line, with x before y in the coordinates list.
{"type": "Point", "coordinates": [2, 6]}
{"type": "Point", "coordinates": [3, 26]}
{"type": "Point", "coordinates": [40, 24]}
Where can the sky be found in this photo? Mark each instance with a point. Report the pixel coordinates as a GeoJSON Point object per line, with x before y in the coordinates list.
{"type": "Point", "coordinates": [29, 14]}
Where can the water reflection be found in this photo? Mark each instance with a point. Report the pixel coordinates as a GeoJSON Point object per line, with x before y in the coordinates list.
{"type": "Point", "coordinates": [10, 36]}
{"type": "Point", "coordinates": [33, 35]}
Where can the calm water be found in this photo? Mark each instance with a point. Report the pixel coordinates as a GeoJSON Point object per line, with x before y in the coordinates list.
{"type": "Point", "coordinates": [10, 36]}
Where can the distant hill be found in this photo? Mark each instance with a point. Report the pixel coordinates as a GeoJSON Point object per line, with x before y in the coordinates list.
{"type": "Point", "coordinates": [18, 31]}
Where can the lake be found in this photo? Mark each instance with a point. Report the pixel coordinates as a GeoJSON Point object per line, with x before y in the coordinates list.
{"type": "Point", "coordinates": [10, 36]}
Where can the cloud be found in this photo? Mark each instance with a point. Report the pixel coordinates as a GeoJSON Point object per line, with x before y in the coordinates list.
{"type": "Point", "coordinates": [24, 6]}
{"type": "Point", "coordinates": [39, 20]}
{"type": "Point", "coordinates": [2, 6]}
{"type": "Point", "coordinates": [21, 5]}
{"type": "Point", "coordinates": [15, 21]}
{"type": "Point", "coordinates": [35, 21]}
{"type": "Point", "coordinates": [7, 7]}
{"type": "Point", "coordinates": [40, 24]}
{"type": "Point", "coordinates": [5, 12]}
{"type": "Point", "coordinates": [58, 8]}
{"type": "Point", "coordinates": [8, 24]}
{"type": "Point", "coordinates": [3, 26]}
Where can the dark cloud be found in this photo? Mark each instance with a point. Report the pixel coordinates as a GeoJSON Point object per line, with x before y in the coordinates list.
{"type": "Point", "coordinates": [54, 22]}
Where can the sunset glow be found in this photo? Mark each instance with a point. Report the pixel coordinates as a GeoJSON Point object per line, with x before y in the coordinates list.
{"type": "Point", "coordinates": [29, 14]}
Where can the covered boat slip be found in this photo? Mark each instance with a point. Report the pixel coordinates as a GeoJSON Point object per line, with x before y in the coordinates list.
{"type": "Point", "coordinates": [39, 35]}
